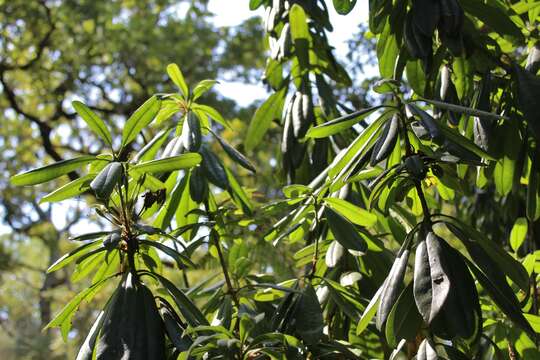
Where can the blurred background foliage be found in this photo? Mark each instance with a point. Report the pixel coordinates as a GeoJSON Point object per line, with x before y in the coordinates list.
{"type": "Point", "coordinates": [111, 55]}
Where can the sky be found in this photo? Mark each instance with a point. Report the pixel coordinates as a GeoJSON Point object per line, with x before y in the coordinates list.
{"type": "Point", "coordinates": [228, 15]}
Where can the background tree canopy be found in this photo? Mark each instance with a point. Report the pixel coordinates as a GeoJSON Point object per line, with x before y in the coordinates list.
{"type": "Point", "coordinates": [382, 205]}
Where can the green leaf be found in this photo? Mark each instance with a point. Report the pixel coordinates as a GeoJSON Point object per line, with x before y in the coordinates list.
{"type": "Point", "coordinates": [416, 76]}
{"type": "Point", "coordinates": [505, 168]}
{"type": "Point", "coordinates": [93, 121]}
{"type": "Point", "coordinates": [255, 4]}
{"type": "Point", "coordinates": [309, 316]}
{"type": "Point", "coordinates": [431, 282]}
{"type": "Point", "coordinates": [234, 154]}
{"type": "Point", "coordinates": [213, 113]}
{"type": "Point", "coordinates": [344, 122]}
{"type": "Point", "coordinates": [168, 209]}
{"type": "Point", "coordinates": [300, 34]}
{"type": "Point", "coordinates": [464, 110]}
{"type": "Point", "coordinates": [353, 213]}
{"type": "Point", "coordinates": [344, 231]}
{"type": "Point", "coordinates": [404, 321]}
{"type": "Point", "coordinates": [52, 171]}
{"type": "Point", "coordinates": [149, 151]}
{"type": "Point", "coordinates": [238, 194]}
{"type": "Point", "coordinates": [69, 190]}
{"type": "Point", "coordinates": [387, 52]}
{"type": "Point", "coordinates": [369, 312]}
{"type": "Point", "coordinates": [172, 163]}
{"type": "Point", "coordinates": [104, 183]}
{"type": "Point", "coordinates": [181, 260]}
{"type": "Point", "coordinates": [458, 139]}
{"type": "Point", "coordinates": [178, 78]}
{"type": "Point", "coordinates": [143, 116]}
{"type": "Point", "coordinates": [518, 233]}
{"type": "Point", "coordinates": [343, 7]}
{"type": "Point", "coordinates": [270, 110]}
{"type": "Point", "coordinates": [63, 318]}
{"type": "Point", "coordinates": [202, 87]}
{"type": "Point", "coordinates": [494, 17]}
{"type": "Point", "coordinates": [193, 315]}
{"type": "Point", "coordinates": [73, 255]}
{"type": "Point", "coordinates": [213, 169]}
{"type": "Point", "coordinates": [391, 288]}
{"type": "Point", "coordinates": [508, 304]}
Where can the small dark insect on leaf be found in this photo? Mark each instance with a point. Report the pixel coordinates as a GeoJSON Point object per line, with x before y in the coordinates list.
{"type": "Point", "coordinates": [151, 197]}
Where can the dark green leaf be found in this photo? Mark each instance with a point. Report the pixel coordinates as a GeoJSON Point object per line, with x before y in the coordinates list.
{"type": "Point", "coordinates": [343, 7]}
{"type": "Point", "coordinates": [344, 231]}
{"type": "Point", "coordinates": [104, 183]}
{"type": "Point", "coordinates": [431, 282]}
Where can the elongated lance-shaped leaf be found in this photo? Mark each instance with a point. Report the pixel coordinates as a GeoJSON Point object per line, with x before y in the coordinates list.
{"type": "Point", "coordinates": [178, 78]}
{"type": "Point", "coordinates": [431, 281]}
{"type": "Point", "coordinates": [69, 190]}
{"type": "Point", "coordinates": [143, 116]}
{"type": "Point", "coordinates": [262, 119]}
{"type": "Point", "coordinates": [234, 154]}
{"type": "Point", "coordinates": [464, 110]}
{"type": "Point", "coordinates": [342, 123]}
{"type": "Point", "coordinates": [63, 318]}
{"type": "Point", "coordinates": [391, 288]}
{"type": "Point", "coordinates": [52, 171]}
{"type": "Point", "coordinates": [181, 260]}
{"type": "Point", "coordinates": [403, 321]}
{"type": "Point", "coordinates": [172, 163]}
{"type": "Point", "coordinates": [353, 213]}
{"type": "Point", "coordinates": [193, 315]}
{"type": "Point", "coordinates": [87, 349]}
{"type": "Point", "coordinates": [344, 231]}
{"type": "Point", "coordinates": [72, 256]}
{"type": "Point", "coordinates": [93, 121]}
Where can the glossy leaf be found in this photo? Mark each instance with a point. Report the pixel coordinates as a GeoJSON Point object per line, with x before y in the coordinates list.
{"type": "Point", "coordinates": [50, 172]}
{"type": "Point", "coordinates": [93, 121]}
{"type": "Point", "coordinates": [143, 116]}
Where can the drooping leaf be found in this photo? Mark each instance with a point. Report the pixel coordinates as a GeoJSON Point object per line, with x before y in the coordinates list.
{"type": "Point", "coordinates": [104, 183]}
{"type": "Point", "coordinates": [235, 154]}
{"type": "Point", "coordinates": [404, 320]}
{"type": "Point", "coordinates": [343, 7]}
{"type": "Point", "coordinates": [431, 281]}
{"type": "Point", "coordinates": [391, 288]}
{"type": "Point", "coordinates": [344, 231]}
{"type": "Point", "coordinates": [309, 316]}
